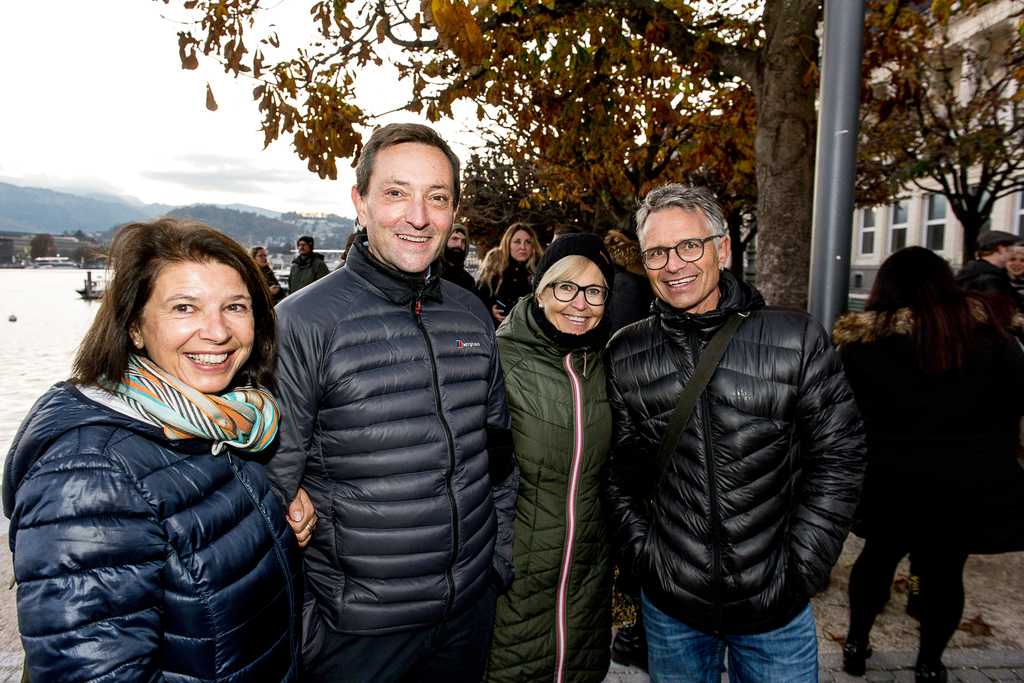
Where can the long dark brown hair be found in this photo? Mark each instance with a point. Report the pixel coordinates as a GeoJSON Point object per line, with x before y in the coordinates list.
{"type": "Point", "coordinates": [138, 255]}
{"type": "Point", "coordinates": [948, 320]}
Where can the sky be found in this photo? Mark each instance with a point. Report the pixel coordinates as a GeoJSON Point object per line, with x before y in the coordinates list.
{"type": "Point", "coordinates": [94, 98]}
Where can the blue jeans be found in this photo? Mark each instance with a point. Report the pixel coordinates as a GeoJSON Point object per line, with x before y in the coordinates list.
{"type": "Point", "coordinates": [680, 654]}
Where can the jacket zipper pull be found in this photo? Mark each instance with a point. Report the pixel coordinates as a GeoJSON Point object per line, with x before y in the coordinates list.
{"type": "Point", "coordinates": [416, 310]}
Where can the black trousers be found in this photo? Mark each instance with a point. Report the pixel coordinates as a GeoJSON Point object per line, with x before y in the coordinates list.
{"type": "Point", "coordinates": [941, 598]}
{"type": "Point", "coordinates": [452, 651]}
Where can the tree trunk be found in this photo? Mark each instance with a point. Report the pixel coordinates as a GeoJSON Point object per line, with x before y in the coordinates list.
{"type": "Point", "coordinates": [784, 147]}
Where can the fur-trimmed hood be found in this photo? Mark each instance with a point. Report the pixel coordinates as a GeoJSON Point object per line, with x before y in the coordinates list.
{"type": "Point", "coordinates": [625, 252]}
{"type": "Point", "coordinates": [863, 327]}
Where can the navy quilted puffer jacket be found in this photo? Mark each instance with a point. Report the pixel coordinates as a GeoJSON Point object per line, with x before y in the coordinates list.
{"type": "Point", "coordinates": [143, 559]}
{"type": "Point", "coordinates": [757, 499]}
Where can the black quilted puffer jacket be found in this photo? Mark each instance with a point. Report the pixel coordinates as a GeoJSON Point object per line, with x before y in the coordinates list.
{"type": "Point", "coordinates": [393, 416]}
{"type": "Point", "coordinates": [756, 502]}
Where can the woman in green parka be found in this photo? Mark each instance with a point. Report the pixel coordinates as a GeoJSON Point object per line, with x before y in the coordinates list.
{"type": "Point", "coordinates": [554, 624]}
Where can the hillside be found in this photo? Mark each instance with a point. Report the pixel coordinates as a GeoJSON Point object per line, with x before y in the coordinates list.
{"type": "Point", "coordinates": [34, 210]}
{"type": "Point", "coordinates": [248, 228]}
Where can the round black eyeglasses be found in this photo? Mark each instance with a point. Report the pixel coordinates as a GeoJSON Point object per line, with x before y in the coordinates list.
{"type": "Point", "coordinates": [565, 291]}
{"type": "Point", "coordinates": [689, 250]}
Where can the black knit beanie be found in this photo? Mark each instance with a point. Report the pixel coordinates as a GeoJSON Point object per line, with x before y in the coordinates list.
{"type": "Point", "coordinates": [582, 244]}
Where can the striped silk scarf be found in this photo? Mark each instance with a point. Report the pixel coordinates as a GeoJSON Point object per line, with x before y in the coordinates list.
{"type": "Point", "coordinates": [246, 419]}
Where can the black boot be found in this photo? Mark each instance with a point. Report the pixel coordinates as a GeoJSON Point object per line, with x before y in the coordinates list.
{"type": "Point", "coordinates": [630, 646]}
{"type": "Point", "coordinates": [929, 674]}
{"type": "Point", "coordinates": [855, 655]}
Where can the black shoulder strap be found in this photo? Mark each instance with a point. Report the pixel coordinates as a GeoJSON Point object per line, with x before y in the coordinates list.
{"type": "Point", "coordinates": [706, 367]}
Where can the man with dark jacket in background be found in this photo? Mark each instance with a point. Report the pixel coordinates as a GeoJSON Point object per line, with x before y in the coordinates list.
{"type": "Point", "coordinates": [307, 267]}
{"type": "Point", "coordinates": [755, 503]}
{"type": "Point", "coordinates": [454, 259]}
{"type": "Point", "coordinates": [393, 418]}
{"type": "Point", "coordinates": [987, 273]}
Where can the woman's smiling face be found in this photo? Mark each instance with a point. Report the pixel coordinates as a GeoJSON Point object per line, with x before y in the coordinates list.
{"type": "Point", "coordinates": [198, 324]}
{"type": "Point", "coordinates": [576, 316]}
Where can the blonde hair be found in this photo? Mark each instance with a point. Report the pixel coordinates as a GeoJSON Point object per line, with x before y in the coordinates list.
{"type": "Point", "coordinates": [567, 268]}
{"type": "Point", "coordinates": [495, 267]}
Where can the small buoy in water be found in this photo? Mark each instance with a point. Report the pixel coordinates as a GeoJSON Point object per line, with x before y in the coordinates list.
{"type": "Point", "coordinates": [13, 318]}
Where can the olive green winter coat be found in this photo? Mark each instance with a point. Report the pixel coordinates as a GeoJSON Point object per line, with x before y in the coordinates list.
{"type": "Point", "coordinates": [554, 624]}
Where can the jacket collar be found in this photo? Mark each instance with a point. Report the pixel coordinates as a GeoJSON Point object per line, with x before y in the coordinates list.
{"type": "Point", "coordinates": [735, 297]}
{"type": "Point", "coordinates": [397, 286]}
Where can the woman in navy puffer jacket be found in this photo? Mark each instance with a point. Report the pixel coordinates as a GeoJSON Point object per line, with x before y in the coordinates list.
{"type": "Point", "coordinates": [145, 548]}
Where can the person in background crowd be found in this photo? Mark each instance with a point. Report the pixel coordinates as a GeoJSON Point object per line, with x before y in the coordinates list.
{"type": "Point", "coordinates": [259, 254]}
{"type": "Point", "coordinates": [1015, 268]}
{"type": "Point", "coordinates": [937, 375]}
{"type": "Point", "coordinates": [358, 236]}
{"type": "Point", "coordinates": [393, 417]}
{"type": "Point", "coordinates": [565, 229]}
{"type": "Point", "coordinates": [987, 272]}
{"type": "Point", "coordinates": [454, 258]}
{"type": "Point", "coordinates": [633, 294]}
{"type": "Point", "coordinates": [145, 547]}
{"type": "Point", "coordinates": [745, 519]}
{"type": "Point", "coordinates": [631, 302]}
{"type": "Point", "coordinates": [307, 267]}
{"type": "Point", "coordinates": [507, 277]}
{"type": "Point", "coordinates": [554, 624]}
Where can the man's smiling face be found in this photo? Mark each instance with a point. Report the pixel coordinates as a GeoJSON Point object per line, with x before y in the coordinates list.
{"type": "Point", "coordinates": [409, 206]}
{"type": "Point", "coordinates": [687, 287]}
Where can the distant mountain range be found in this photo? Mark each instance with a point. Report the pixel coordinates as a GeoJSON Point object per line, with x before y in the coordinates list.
{"type": "Point", "coordinates": [35, 210]}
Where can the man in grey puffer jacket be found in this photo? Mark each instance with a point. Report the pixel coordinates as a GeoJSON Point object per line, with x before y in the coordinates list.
{"type": "Point", "coordinates": [393, 418]}
{"type": "Point", "coordinates": [755, 503]}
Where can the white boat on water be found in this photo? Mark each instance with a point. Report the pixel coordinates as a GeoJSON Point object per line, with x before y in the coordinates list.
{"type": "Point", "coordinates": [93, 289]}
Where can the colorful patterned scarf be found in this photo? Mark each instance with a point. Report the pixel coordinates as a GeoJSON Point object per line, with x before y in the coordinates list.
{"type": "Point", "coordinates": [246, 419]}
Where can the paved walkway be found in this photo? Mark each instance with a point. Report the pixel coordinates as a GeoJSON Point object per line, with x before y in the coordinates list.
{"type": "Point", "coordinates": [965, 666]}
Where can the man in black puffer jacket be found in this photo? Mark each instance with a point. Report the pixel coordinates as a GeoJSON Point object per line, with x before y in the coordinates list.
{"type": "Point", "coordinates": [393, 418]}
{"type": "Point", "coordinates": [756, 500]}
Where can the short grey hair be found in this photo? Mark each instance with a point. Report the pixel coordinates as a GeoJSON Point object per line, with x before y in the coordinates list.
{"type": "Point", "coordinates": [692, 199]}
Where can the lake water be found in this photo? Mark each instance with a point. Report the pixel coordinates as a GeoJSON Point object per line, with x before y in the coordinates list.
{"type": "Point", "coordinates": [37, 350]}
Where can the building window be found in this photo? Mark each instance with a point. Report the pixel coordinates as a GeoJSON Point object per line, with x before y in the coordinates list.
{"type": "Point", "coordinates": [935, 222]}
{"type": "Point", "coordinates": [898, 225]}
{"type": "Point", "coordinates": [867, 231]}
{"type": "Point", "coordinates": [1018, 224]}
{"type": "Point", "coordinates": [858, 280]}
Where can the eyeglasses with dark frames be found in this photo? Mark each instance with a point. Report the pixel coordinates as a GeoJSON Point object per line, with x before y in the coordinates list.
{"type": "Point", "coordinates": [565, 291]}
{"type": "Point", "coordinates": [689, 250]}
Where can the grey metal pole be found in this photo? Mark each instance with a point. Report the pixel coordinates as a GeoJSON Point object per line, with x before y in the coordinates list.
{"type": "Point", "coordinates": [836, 167]}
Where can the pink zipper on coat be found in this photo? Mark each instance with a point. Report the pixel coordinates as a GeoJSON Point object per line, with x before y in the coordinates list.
{"type": "Point", "coordinates": [561, 598]}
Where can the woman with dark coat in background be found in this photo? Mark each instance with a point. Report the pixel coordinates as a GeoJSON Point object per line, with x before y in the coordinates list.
{"type": "Point", "coordinates": [507, 274]}
{"type": "Point", "coordinates": [259, 254]}
{"type": "Point", "coordinates": [937, 376]}
{"type": "Point", "coordinates": [633, 294]}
